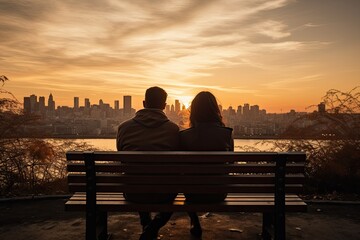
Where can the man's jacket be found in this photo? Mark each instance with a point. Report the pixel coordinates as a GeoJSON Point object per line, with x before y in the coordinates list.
{"type": "Point", "coordinates": [149, 130]}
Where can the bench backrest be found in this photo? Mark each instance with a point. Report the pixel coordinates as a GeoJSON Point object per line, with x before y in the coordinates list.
{"type": "Point", "coordinates": [191, 172]}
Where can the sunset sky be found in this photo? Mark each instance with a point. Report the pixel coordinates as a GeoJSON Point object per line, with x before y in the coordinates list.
{"type": "Point", "coordinates": [279, 54]}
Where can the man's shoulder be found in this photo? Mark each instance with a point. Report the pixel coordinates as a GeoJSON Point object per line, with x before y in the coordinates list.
{"type": "Point", "coordinates": [172, 125]}
{"type": "Point", "coordinates": [126, 123]}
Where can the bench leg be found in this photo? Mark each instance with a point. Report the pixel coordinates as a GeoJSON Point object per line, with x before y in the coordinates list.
{"type": "Point", "coordinates": [90, 226]}
{"type": "Point", "coordinates": [266, 226]}
{"type": "Point", "coordinates": [102, 227]}
{"type": "Point", "coordinates": [280, 233]}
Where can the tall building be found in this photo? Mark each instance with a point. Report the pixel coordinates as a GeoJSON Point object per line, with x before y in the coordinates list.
{"type": "Point", "coordinates": [167, 109]}
{"type": "Point", "coordinates": [254, 110]}
{"type": "Point", "coordinates": [127, 105]}
{"type": "Point", "coordinates": [246, 109]}
{"type": "Point", "coordinates": [51, 103]}
{"type": "Point", "coordinates": [239, 110]}
{"type": "Point", "coordinates": [177, 106]}
{"type": "Point", "coordinates": [42, 107]}
{"type": "Point", "coordinates": [27, 105]}
{"type": "Point", "coordinates": [76, 102]}
{"type": "Point", "coordinates": [33, 103]}
{"type": "Point", "coordinates": [116, 105]}
{"type": "Point", "coordinates": [220, 108]}
{"type": "Point", "coordinates": [87, 103]}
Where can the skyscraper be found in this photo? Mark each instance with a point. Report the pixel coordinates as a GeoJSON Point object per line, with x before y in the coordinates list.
{"type": "Point", "coordinates": [76, 102]}
{"type": "Point", "coordinates": [87, 103]}
{"type": "Point", "coordinates": [33, 103]}
{"type": "Point", "coordinates": [239, 110]}
{"type": "Point", "coordinates": [177, 106]}
{"type": "Point", "coordinates": [116, 105]}
{"type": "Point", "coordinates": [246, 109]}
{"type": "Point", "coordinates": [167, 109]}
{"type": "Point", "coordinates": [27, 105]}
{"type": "Point", "coordinates": [254, 110]}
{"type": "Point", "coordinates": [42, 105]}
{"type": "Point", "coordinates": [127, 105]}
{"type": "Point", "coordinates": [51, 103]}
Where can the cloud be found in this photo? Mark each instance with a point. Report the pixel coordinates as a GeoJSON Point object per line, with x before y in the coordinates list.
{"type": "Point", "coordinates": [138, 43]}
{"type": "Point", "coordinates": [272, 29]}
{"type": "Point", "coordinates": [289, 83]}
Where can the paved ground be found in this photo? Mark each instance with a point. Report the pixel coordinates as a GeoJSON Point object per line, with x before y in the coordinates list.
{"type": "Point", "coordinates": [46, 219]}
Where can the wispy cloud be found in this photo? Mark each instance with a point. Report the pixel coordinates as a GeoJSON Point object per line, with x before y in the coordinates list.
{"type": "Point", "coordinates": [137, 43]}
{"type": "Point", "coordinates": [291, 81]}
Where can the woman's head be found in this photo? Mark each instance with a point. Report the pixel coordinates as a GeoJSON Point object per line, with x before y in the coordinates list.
{"type": "Point", "coordinates": [204, 108]}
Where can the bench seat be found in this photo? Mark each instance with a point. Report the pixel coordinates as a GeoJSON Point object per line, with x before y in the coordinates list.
{"type": "Point", "coordinates": [115, 202]}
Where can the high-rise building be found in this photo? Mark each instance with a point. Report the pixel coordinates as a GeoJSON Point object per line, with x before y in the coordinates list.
{"type": "Point", "coordinates": [51, 103]}
{"type": "Point", "coordinates": [239, 110]}
{"type": "Point", "coordinates": [27, 105]}
{"type": "Point", "coordinates": [116, 105]}
{"type": "Point", "coordinates": [87, 103]}
{"type": "Point", "coordinates": [42, 107]}
{"type": "Point", "coordinates": [177, 106]}
{"type": "Point", "coordinates": [254, 110]}
{"type": "Point", "coordinates": [127, 105]}
{"type": "Point", "coordinates": [246, 109]}
{"type": "Point", "coordinates": [167, 109]}
{"type": "Point", "coordinates": [76, 102]}
{"type": "Point", "coordinates": [33, 103]}
{"type": "Point", "coordinates": [231, 111]}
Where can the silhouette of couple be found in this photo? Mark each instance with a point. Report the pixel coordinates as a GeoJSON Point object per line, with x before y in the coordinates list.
{"type": "Point", "coordinates": [151, 130]}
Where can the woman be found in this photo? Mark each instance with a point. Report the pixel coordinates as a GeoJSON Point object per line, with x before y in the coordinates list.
{"type": "Point", "coordinates": [207, 132]}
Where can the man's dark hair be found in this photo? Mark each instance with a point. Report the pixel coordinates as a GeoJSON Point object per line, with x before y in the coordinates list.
{"type": "Point", "coordinates": [155, 97]}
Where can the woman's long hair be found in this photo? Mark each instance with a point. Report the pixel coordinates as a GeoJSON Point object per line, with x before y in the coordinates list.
{"type": "Point", "coordinates": [204, 108]}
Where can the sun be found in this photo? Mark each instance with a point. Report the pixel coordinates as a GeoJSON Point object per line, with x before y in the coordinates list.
{"type": "Point", "coordinates": [185, 100]}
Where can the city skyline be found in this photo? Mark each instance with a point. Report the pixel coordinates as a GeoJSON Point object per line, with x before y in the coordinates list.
{"type": "Point", "coordinates": [102, 120]}
{"type": "Point", "coordinates": [281, 54]}
{"type": "Point", "coordinates": [87, 103]}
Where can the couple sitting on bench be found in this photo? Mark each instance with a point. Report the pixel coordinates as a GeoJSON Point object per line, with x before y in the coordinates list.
{"type": "Point", "coordinates": [151, 130]}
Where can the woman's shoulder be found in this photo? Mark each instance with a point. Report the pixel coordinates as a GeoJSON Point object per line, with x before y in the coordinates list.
{"type": "Point", "coordinates": [186, 131]}
{"type": "Point", "coordinates": [207, 127]}
{"type": "Point", "coordinates": [223, 128]}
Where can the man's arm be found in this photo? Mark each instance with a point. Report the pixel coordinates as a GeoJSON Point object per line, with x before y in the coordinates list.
{"type": "Point", "coordinates": [119, 139]}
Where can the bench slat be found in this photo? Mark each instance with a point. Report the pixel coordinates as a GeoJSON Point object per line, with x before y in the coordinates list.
{"type": "Point", "coordinates": [229, 188]}
{"type": "Point", "coordinates": [187, 169]}
{"type": "Point", "coordinates": [181, 206]}
{"type": "Point", "coordinates": [200, 157]}
{"type": "Point", "coordinates": [230, 197]}
{"type": "Point", "coordinates": [188, 179]}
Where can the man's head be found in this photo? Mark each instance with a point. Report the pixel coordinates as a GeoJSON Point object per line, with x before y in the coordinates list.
{"type": "Point", "coordinates": [155, 97]}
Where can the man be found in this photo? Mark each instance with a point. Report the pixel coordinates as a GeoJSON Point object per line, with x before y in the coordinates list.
{"type": "Point", "coordinates": [150, 130]}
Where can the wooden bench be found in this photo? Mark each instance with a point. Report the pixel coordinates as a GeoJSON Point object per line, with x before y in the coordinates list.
{"type": "Point", "coordinates": [264, 182]}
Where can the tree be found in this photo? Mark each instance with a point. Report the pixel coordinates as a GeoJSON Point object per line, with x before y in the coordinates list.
{"type": "Point", "coordinates": [29, 165]}
{"type": "Point", "coordinates": [333, 163]}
